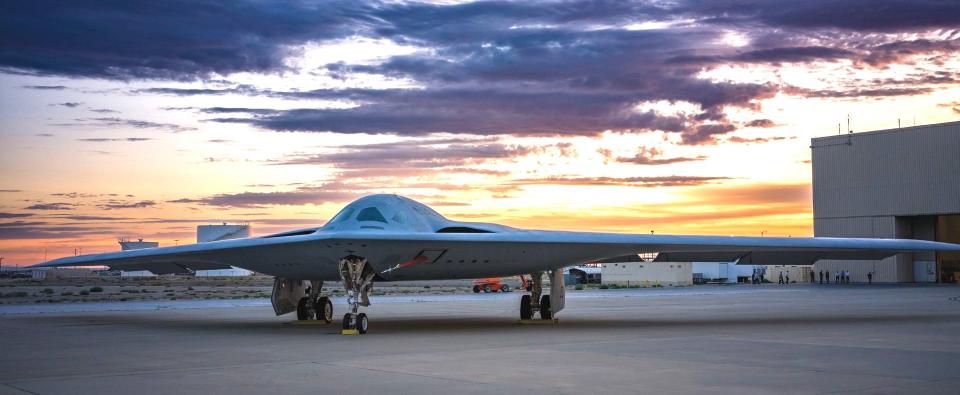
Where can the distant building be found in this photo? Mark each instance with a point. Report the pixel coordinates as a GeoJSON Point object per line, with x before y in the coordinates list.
{"type": "Point", "coordinates": [633, 270]}
{"type": "Point", "coordinates": [127, 245]}
{"type": "Point", "coordinates": [59, 272]}
{"type": "Point", "coordinates": [224, 231]}
{"type": "Point", "coordinates": [896, 183]}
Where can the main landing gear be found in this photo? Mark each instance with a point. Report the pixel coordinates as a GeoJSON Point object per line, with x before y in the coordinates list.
{"type": "Point", "coordinates": [357, 277]}
{"type": "Point", "coordinates": [313, 306]}
{"type": "Point", "coordinates": [537, 303]}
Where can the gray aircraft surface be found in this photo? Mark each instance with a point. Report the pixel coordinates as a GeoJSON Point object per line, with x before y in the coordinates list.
{"type": "Point", "coordinates": [390, 237]}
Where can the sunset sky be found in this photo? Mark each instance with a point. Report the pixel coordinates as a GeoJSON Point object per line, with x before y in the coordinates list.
{"type": "Point", "coordinates": [148, 118]}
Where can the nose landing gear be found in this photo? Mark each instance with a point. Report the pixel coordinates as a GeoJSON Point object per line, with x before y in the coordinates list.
{"type": "Point", "coordinates": [357, 277]}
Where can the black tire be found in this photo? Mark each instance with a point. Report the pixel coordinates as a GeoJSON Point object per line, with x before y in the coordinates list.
{"type": "Point", "coordinates": [505, 288]}
{"type": "Point", "coordinates": [362, 323]}
{"type": "Point", "coordinates": [476, 289]}
{"type": "Point", "coordinates": [545, 313]}
{"type": "Point", "coordinates": [303, 312]}
{"type": "Point", "coordinates": [526, 307]}
{"type": "Point", "coordinates": [346, 321]}
{"type": "Point", "coordinates": [324, 309]}
{"type": "Point", "coordinates": [487, 289]}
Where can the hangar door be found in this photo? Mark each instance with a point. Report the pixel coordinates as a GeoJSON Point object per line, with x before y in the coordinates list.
{"type": "Point", "coordinates": [948, 263]}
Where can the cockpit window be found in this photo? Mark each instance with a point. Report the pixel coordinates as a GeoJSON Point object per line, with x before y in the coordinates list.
{"type": "Point", "coordinates": [371, 214]}
{"type": "Point", "coordinates": [343, 215]}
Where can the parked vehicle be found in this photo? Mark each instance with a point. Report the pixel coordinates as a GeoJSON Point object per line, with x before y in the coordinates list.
{"type": "Point", "coordinates": [488, 285]}
{"type": "Point", "coordinates": [495, 284]}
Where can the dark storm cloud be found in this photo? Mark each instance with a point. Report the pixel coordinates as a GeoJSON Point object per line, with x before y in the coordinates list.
{"type": "Point", "coordinates": [421, 157]}
{"type": "Point", "coordinates": [412, 154]}
{"type": "Point", "coordinates": [898, 51]}
{"type": "Point", "coordinates": [854, 92]}
{"type": "Point", "coordinates": [134, 123]}
{"type": "Point", "coordinates": [653, 156]}
{"type": "Point", "coordinates": [646, 182]}
{"type": "Point", "coordinates": [490, 111]}
{"type": "Point", "coordinates": [327, 193]}
{"type": "Point", "coordinates": [176, 40]}
{"type": "Point", "coordinates": [235, 110]}
{"type": "Point", "coordinates": [105, 140]}
{"type": "Point", "coordinates": [236, 90]}
{"type": "Point", "coordinates": [771, 55]}
{"type": "Point", "coordinates": [51, 206]}
{"type": "Point", "coordinates": [760, 123]}
{"type": "Point", "coordinates": [74, 195]}
{"type": "Point", "coordinates": [116, 204]}
{"type": "Point", "coordinates": [45, 87]}
{"type": "Point", "coordinates": [487, 67]}
{"type": "Point", "coordinates": [13, 215]}
{"type": "Point", "coordinates": [93, 218]}
{"type": "Point", "coordinates": [756, 140]}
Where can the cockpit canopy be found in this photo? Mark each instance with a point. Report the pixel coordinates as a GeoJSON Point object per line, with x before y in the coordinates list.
{"type": "Point", "coordinates": [397, 213]}
{"type": "Point", "coordinates": [394, 213]}
{"type": "Point", "coordinates": [386, 212]}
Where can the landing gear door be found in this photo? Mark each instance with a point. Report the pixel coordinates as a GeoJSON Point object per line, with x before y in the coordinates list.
{"type": "Point", "coordinates": [558, 297]}
{"type": "Point", "coordinates": [286, 294]}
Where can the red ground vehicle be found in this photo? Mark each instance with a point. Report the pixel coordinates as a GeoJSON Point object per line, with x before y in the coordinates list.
{"type": "Point", "coordinates": [494, 284]}
{"type": "Point", "coordinates": [488, 285]}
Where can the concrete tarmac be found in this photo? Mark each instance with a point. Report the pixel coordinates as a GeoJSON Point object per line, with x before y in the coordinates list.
{"type": "Point", "coordinates": [706, 339]}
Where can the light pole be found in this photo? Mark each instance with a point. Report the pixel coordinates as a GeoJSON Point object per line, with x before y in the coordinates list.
{"type": "Point", "coordinates": [762, 232]}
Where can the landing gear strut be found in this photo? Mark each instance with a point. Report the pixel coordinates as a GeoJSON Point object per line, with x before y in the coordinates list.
{"type": "Point", "coordinates": [357, 277]}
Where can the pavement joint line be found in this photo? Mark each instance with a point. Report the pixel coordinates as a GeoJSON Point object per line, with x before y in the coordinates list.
{"type": "Point", "coordinates": [20, 389]}
{"type": "Point", "coordinates": [403, 373]}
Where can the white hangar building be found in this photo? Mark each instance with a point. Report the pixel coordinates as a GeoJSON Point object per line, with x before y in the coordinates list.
{"type": "Point", "coordinates": [896, 183]}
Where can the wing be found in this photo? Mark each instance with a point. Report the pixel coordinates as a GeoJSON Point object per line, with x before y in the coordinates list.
{"type": "Point", "coordinates": [242, 253]}
{"type": "Point", "coordinates": [314, 254]}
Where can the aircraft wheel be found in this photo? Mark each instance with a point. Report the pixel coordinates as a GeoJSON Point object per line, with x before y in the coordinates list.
{"type": "Point", "coordinates": [487, 289]}
{"type": "Point", "coordinates": [348, 322]}
{"type": "Point", "coordinates": [545, 313]}
{"type": "Point", "coordinates": [476, 289]}
{"type": "Point", "coordinates": [325, 311]}
{"type": "Point", "coordinates": [526, 310]}
{"type": "Point", "coordinates": [505, 288]}
{"type": "Point", "coordinates": [362, 323]}
{"type": "Point", "coordinates": [303, 312]}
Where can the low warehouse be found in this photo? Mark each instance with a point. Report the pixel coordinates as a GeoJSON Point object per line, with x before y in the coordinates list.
{"type": "Point", "coordinates": [632, 270]}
